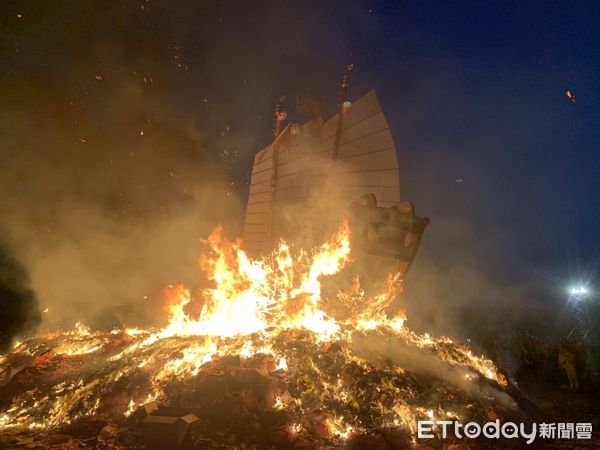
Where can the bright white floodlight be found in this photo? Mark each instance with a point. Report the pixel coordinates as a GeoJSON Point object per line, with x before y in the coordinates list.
{"type": "Point", "coordinates": [579, 290]}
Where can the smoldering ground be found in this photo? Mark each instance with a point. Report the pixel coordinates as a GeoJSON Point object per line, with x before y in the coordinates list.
{"type": "Point", "coordinates": [419, 361]}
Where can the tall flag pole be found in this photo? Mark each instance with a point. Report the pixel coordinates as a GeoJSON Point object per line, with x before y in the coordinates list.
{"type": "Point", "coordinates": [345, 107]}
{"type": "Point", "coordinates": [280, 116]}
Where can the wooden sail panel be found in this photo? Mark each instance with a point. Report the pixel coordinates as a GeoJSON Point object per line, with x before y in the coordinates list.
{"type": "Point", "coordinates": [300, 193]}
{"type": "Point", "coordinates": [365, 128]}
{"type": "Point", "coordinates": [376, 142]}
{"type": "Point", "coordinates": [259, 199]}
{"type": "Point", "coordinates": [363, 108]}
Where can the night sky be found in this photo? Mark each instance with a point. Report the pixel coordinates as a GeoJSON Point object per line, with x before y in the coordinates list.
{"type": "Point", "coordinates": [123, 125]}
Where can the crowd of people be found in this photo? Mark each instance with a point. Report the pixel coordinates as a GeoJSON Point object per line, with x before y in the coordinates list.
{"type": "Point", "coordinates": [569, 363]}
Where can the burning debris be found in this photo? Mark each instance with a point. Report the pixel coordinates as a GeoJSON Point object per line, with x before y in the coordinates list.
{"type": "Point", "coordinates": [570, 96]}
{"type": "Point", "coordinates": [262, 363]}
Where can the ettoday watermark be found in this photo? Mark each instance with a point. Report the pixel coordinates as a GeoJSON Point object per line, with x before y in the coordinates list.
{"type": "Point", "coordinates": [507, 430]}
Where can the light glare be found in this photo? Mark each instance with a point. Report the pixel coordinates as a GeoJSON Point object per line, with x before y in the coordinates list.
{"type": "Point", "coordinates": [579, 290]}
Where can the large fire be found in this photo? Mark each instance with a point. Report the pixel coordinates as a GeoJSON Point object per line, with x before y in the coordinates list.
{"type": "Point", "coordinates": [266, 317]}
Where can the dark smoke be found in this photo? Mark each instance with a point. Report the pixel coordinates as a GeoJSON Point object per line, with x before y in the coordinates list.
{"type": "Point", "coordinates": [107, 181]}
{"type": "Point", "coordinates": [18, 303]}
{"type": "Point", "coordinates": [126, 135]}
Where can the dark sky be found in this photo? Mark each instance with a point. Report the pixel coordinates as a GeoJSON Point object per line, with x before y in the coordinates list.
{"type": "Point", "coordinates": [113, 114]}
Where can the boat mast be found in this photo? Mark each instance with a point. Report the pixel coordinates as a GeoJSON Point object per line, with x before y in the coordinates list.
{"type": "Point", "coordinates": [280, 116]}
{"type": "Point", "coordinates": [344, 108]}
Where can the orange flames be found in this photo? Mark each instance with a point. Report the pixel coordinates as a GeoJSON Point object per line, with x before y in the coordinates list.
{"type": "Point", "coordinates": [251, 295]}
{"type": "Point", "coordinates": [249, 304]}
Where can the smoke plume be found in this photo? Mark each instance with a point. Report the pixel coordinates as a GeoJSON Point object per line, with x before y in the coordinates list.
{"type": "Point", "coordinates": [18, 303]}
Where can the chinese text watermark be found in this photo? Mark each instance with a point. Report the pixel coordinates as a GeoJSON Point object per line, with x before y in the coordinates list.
{"type": "Point", "coordinates": [507, 430]}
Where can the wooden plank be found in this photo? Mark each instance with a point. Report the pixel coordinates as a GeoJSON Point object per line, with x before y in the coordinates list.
{"type": "Point", "coordinates": [375, 161]}
{"type": "Point", "coordinates": [261, 177]}
{"type": "Point", "coordinates": [255, 227]}
{"type": "Point", "coordinates": [255, 213]}
{"type": "Point", "coordinates": [368, 178]}
{"type": "Point", "coordinates": [373, 142]}
{"type": "Point", "coordinates": [257, 207]}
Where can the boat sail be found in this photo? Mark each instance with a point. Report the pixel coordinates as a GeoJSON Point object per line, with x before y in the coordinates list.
{"type": "Point", "coordinates": [303, 183]}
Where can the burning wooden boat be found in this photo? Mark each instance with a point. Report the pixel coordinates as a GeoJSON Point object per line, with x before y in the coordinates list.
{"type": "Point", "coordinates": [311, 175]}
{"type": "Point", "coordinates": [256, 359]}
